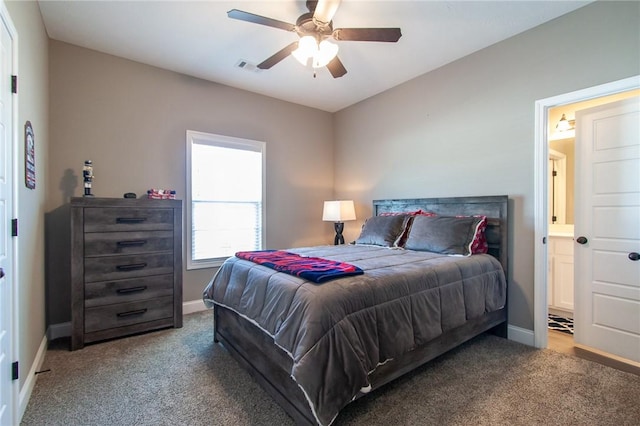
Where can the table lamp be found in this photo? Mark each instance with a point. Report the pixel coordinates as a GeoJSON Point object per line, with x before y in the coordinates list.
{"type": "Point", "coordinates": [338, 212]}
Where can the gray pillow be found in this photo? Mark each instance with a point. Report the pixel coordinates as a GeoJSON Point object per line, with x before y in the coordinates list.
{"type": "Point", "coordinates": [383, 230]}
{"type": "Point", "coordinates": [443, 234]}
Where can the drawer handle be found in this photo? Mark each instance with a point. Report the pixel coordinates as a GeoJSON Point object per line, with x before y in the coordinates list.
{"type": "Point", "coordinates": [131, 267]}
{"type": "Point", "coordinates": [131, 313]}
{"type": "Point", "coordinates": [131, 289]}
{"type": "Point", "coordinates": [131, 243]}
{"type": "Point", "coordinates": [130, 219]}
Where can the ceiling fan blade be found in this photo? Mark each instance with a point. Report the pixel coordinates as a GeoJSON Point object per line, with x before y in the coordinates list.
{"type": "Point", "coordinates": [257, 19]}
{"type": "Point", "coordinates": [336, 68]}
{"type": "Point", "coordinates": [368, 34]}
{"type": "Point", "coordinates": [278, 56]}
{"type": "Point", "coordinates": [325, 10]}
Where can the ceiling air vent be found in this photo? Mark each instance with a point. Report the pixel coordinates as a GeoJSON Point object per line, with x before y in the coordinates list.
{"type": "Point", "coordinates": [247, 66]}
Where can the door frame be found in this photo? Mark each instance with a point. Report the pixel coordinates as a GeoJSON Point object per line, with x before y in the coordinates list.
{"type": "Point", "coordinates": [6, 20]}
{"type": "Point", "coordinates": [542, 106]}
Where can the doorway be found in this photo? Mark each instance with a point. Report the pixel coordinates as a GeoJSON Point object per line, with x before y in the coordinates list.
{"type": "Point", "coordinates": [545, 124]}
{"type": "Point", "coordinates": [560, 220]}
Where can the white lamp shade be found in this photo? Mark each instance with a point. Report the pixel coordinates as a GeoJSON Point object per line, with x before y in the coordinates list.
{"type": "Point", "coordinates": [307, 48]}
{"type": "Point", "coordinates": [320, 55]}
{"type": "Point", "coordinates": [326, 52]}
{"type": "Point", "coordinates": [338, 211]}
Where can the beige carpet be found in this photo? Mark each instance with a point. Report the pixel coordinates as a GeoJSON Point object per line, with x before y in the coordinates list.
{"type": "Point", "coordinates": [180, 377]}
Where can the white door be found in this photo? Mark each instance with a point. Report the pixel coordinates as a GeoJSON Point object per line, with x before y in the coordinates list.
{"type": "Point", "coordinates": [607, 309]}
{"type": "Point", "coordinates": [7, 392]}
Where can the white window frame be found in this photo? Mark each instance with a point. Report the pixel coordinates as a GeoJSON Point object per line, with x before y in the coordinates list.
{"type": "Point", "coordinates": [195, 137]}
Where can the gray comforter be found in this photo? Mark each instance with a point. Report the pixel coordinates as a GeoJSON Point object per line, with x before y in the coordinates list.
{"type": "Point", "coordinates": [340, 331]}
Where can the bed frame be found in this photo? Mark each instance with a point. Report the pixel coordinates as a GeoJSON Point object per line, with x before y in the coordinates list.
{"type": "Point", "coordinates": [271, 367]}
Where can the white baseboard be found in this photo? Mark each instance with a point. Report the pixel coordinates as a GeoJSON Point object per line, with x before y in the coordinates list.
{"type": "Point", "coordinates": [30, 381]}
{"type": "Point", "coordinates": [521, 335]}
{"type": "Point", "coordinates": [193, 306]}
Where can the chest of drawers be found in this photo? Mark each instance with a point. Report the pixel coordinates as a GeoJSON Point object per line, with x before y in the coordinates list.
{"type": "Point", "coordinates": [126, 267]}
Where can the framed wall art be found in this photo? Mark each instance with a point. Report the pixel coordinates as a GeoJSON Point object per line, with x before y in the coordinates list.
{"type": "Point", "coordinates": [29, 156]}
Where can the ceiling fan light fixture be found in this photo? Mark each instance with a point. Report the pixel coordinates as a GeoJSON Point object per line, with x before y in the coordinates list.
{"type": "Point", "coordinates": [326, 52]}
{"type": "Point", "coordinates": [314, 28]}
{"type": "Point", "coordinates": [307, 48]}
{"type": "Point", "coordinates": [320, 55]}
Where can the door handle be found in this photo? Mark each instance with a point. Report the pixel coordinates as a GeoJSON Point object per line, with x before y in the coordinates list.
{"type": "Point", "coordinates": [634, 256]}
{"type": "Point", "coordinates": [581, 240]}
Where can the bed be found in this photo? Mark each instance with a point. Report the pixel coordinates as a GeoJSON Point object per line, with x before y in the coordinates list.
{"type": "Point", "coordinates": [316, 347]}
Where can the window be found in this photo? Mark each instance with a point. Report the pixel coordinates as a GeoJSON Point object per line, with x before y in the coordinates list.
{"type": "Point", "coordinates": [225, 197]}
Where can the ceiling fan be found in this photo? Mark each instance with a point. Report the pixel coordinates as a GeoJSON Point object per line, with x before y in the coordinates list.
{"type": "Point", "coordinates": [315, 30]}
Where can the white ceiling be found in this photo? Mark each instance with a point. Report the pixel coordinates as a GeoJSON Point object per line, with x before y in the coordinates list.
{"type": "Point", "coordinates": [198, 39]}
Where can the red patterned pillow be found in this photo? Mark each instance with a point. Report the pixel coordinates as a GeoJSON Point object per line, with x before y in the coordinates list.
{"type": "Point", "coordinates": [479, 243]}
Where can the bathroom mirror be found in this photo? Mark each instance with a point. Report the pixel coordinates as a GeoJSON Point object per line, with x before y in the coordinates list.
{"type": "Point", "coordinates": [561, 186]}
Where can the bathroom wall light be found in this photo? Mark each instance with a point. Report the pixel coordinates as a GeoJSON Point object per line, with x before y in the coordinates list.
{"type": "Point", "coordinates": [565, 125]}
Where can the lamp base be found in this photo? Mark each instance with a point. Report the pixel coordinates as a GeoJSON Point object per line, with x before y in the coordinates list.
{"type": "Point", "coordinates": [339, 227]}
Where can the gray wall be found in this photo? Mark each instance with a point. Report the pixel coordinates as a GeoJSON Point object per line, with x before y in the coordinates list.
{"type": "Point", "coordinates": [468, 127]}
{"type": "Point", "coordinates": [33, 106]}
{"type": "Point", "coordinates": [131, 120]}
